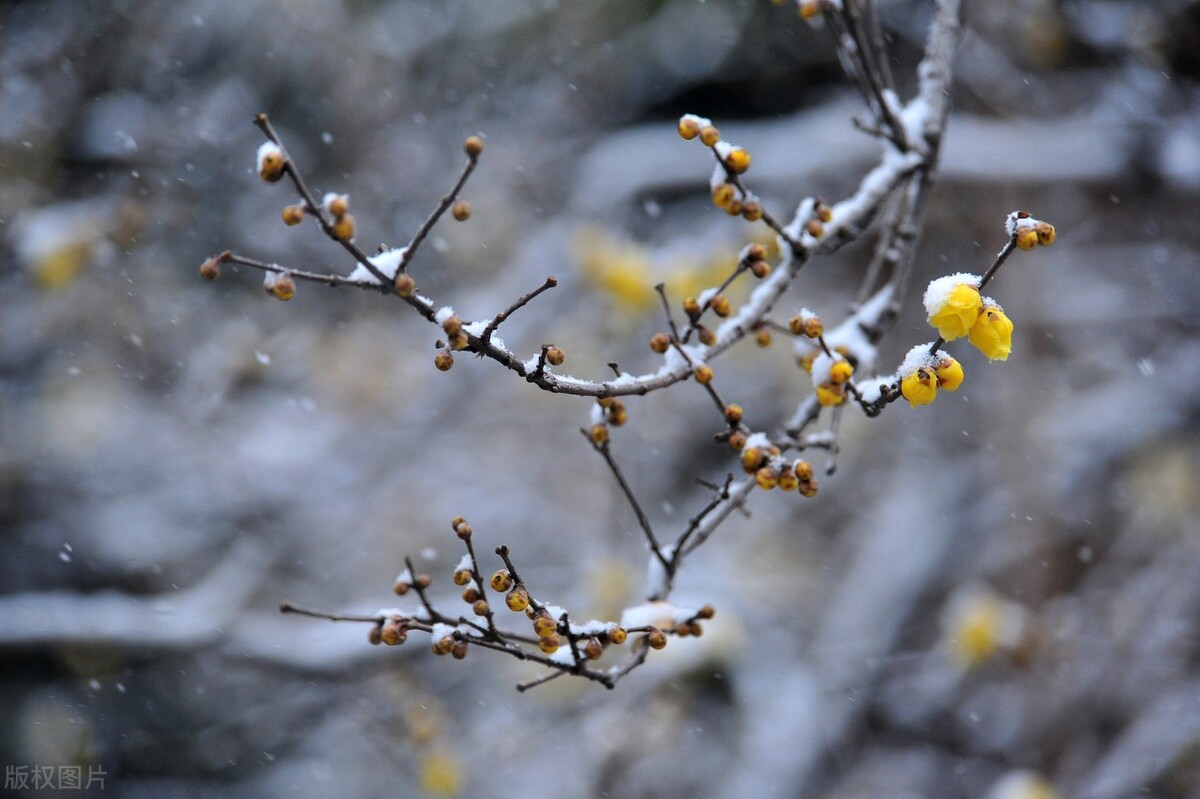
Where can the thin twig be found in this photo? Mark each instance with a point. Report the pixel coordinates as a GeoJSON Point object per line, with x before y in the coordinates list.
{"type": "Point", "coordinates": [486, 336]}
{"type": "Point", "coordinates": [432, 219]}
{"type": "Point", "coordinates": [643, 521]}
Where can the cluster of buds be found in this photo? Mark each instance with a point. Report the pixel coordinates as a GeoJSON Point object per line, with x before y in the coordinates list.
{"type": "Point", "coordinates": [607, 411]}
{"type": "Point", "coordinates": [391, 631]}
{"type": "Point", "coordinates": [754, 258]}
{"type": "Point", "coordinates": [405, 581]}
{"type": "Point", "coordinates": [923, 373]}
{"type": "Point", "coordinates": [1027, 232]}
{"type": "Point", "coordinates": [765, 461]}
{"type": "Point", "coordinates": [727, 194]}
{"type": "Point", "coordinates": [820, 216]}
{"type": "Point", "coordinates": [338, 206]}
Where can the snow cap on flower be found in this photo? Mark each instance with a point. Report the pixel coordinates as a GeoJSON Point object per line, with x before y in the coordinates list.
{"type": "Point", "coordinates": [918, 378]}
{"type": "Point", "coordinates": [952, 304]}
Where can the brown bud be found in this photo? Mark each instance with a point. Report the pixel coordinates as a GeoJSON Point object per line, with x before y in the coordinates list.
{"type": "Point", "coordinates": [459, 341]}
{"type": "Point", "coordinates": [461, 210]}
{"type": "Point", "coordinates": [444, 360]}
{"type": "Point", "coordinates": [210, 269]}
{"type": "Point", "coordinates": [813, 327]}
{"type": "Point", "coordinates": [459, 651]}
{"type": "Point", "coordinates": [548, 644]}
{"type": "Point", "coordinates": [405, 285]}
{"type": "Point", "coordinates": [796, 325]}
{"type": "Point", "coordinates": [760, 269]}
{"type": "Point", "coordinates": [443, 646]}
{"type": "Point", "coordinates": [423, 581]}
{"type": "Point", "coordinates": [710, 135]}
{"type": "Point", "coordinates": [707, 336]}
{"type": "Point", "coordinates": [470, 595]}
{"type": "Point", "coordinates": [393, 633]}
{"type": "Point", "coordinates": [721, 305]}
{"type": "Point", "coordinates": [656, 638]}
{"type": "Point", "coordinates": [704, 374]}
{"type": "Point", "coordinates": [706, 612]}
{"type": "Point", "coordinates": [544, 626]}
{"type": "Point", "coordinates": [480, 608]}
{"type": "Point", "coordinates": [814, 228]}
{"type": "Point", "coordinates": [401, 588]}
{"type": "Point", "coordinates": [599, 434]}
{"type": "Point", "coordinates": [733, 414]}
{"type": "Point", "coordinates": [452, 325]}
{"type": "Point", "coordinates": [752, 211]}
{"type": "Point", "coordinates": [456, 521]}
{"type": "Point", "coordinates": [734, 208]}
{"type": "Point", "coordinates": [375, 636]}
{"type": "Point", "coordinates": [737, 440]}
{"type": "Point", "coordinates": [293, 214]}
{"type": "Point", "coordinates": [594, 649]}
{"type": "Point", "coordinates": [756, 252]}
{"type": "Point", "coordinates": [824, 212]}
{"type": "Point", "coordinates": [617, 415]}
{"type": "Point", "coordinates": [555, 356]}
{"type": "Point", "coordinates": [808, 488]}
{"type": "Point", "coordinates": [284, 288]}
{"type": "Point", "coordinates": [659, 342]}
{"type": "Point", "coordinates": [462, 577]}
{"type": "Point", "coordinates": [691, 307]}
{"type": "Point", "coordinates": [473, 146]}
{"type": "Point", "coordinates": [762, 337]}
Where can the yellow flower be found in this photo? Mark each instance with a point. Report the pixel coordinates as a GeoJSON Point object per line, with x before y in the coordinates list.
{"type": "Point", "coordinates": [992, 333]}
{"type": "Point", "coordinates": [919, 387]}
{"type": "Point", "coordinates": [957, 312]}
{"type": "Point", "coordinates": [830, 394]}
{"type": "Point", "coordinates": [949, 373]}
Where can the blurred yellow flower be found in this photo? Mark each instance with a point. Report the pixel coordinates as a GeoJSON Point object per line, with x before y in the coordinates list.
{"type": "Point", "coordinates": [956, 312]}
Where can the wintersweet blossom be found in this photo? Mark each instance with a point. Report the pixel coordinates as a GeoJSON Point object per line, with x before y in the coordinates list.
{"type": "Point", "coordinates": [949, 373]}
{"type": "Point", "coordinates": [992, 333]}
{"type": "Point", "coordinates": [959, 310]}
{"type": "Point", "coordinates": [919, 387]}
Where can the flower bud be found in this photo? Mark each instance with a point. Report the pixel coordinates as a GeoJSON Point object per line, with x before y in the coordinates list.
{"type": "Point", "coordinates": [992, 333]}
{"type": "Point", "coordinates": [803, 470]}
{"type": "Point", "coordinates": [724, 195]}
{"type": "Point", "coordinates": [737, 440]}
{"type": "Point", "coordinates": [473, 146]}
{"type": "Point", "coordinates": [501, 580]}
{"type": "Point", "coordinates": [1045, 233]}
{"type": "Point", "coordinates": [517, 599]}
{"type": "Point", "coordinates": [656, 638]}
{"type": "Point", "coordinates": [1027, 238]}
{"type": "Point", "coordinates": [555, 356]}
{"type": "Point", "coordinates": [752, 459]}
{"type": "Point", "coordinates": [660, 343]}
{"type": "Point", "coordinates": [762, 336]}
{"type": "Point", "coordinates": [462, 577]}
{"type": "Point", "coordinates": [919, 387]}
{"type": "Point", "coordinates": [210, 269]}
{"type": "Point", "coordinates": [767, 478]}
{"type": "Point", "coordinates": [338, 205]}
{"type": "Point", "coordinates": [720, 305]}
{"type": "Point", "coordinates": [733, 414]}
{"type": "Point", "coordinates": [709, 135]}
{"type": "Point", "coordinates": [692, 308]}
{"type": "Point", "coordinates": [284, 288]}
{"type": "Point", "coordinates": [480, 608]}
{"type": "Point", "coordinates": [549, 643]}
{"type": "Point", "coordinates": [760, 269]}
{"type": "Point", "coordinates": [343, 227]}
{"type": "Point", "coordinates": [617, 635]}
{"type": "Point", "coordinates": [405, 285]}
{"type": "Point", "coordinates": [752, 211]}
{"type": "Point", "coordinates": [293, 214]}
{"type": "Point", "coordinates": [594, 649]}
{"type": "Point", "coordinates": [831, 394]}
{"type": "Point", "coordinates": [461, 211]}
{"type": "Point", "coordinates": [704, 374]}
{"type": "Point", "coordinates": [707, 336]}
{"type": "Point", "coordinates": [599, 434]}
{"type": "Point", "coordinates": [949, 373]}
{"type": "Point", "coordinates": [459, 651]}
{"type": "Point", "coordinates": [808, 488]}
{"type": "Point", "coordinates": [689, 127]}
{"type": "Point", "coordinates": [737, 161]}
{"type": "Point", "coordinates": [813, 328]}
{"type": "Point", "coordinates": [544, 626]}
{"type": "Point", "coordinates": [840, 372]}
{"type": "Point", "coordinates": [470, 595]}
{"type": "Point", "coordinates": [444, 360]}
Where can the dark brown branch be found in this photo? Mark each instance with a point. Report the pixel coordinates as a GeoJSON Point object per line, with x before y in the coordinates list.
{"type": "Point", "coordinates": [486, 336]}
{"type": "Point", "coordinates": [643, 521]}
{"type": "Point", "coordinates": [432, 219]}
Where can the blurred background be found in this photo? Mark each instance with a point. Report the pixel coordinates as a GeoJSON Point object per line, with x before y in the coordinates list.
{"type": "Point", "coordinates": [996, 595]}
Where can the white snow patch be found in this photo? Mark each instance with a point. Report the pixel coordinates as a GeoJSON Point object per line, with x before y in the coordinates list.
{"type": "Point", "coordinates": [939, 290]}
{"type": "Point", "coordinates": [918, 358]}
{"type": "Point", "coordinates": [386, 262]}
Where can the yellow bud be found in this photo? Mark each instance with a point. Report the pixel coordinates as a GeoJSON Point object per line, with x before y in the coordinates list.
{"type": "Point", "coordinates": [452, 325]}
{"type": "Point", "coordinates": [752, 211]}
{"type": "Point", "coordinates": [831, 394]}
{"type": "Point", "coordinates": [752, 459]}
{"type": "Point", "coordinates": [840, 372]}
{"type": "Point", "coordinates": [271, 165]}
{"type": "Point", "coordinates": [1027, 238]}
{"type": "Point", "coordinates": [501, 580]}
{"type": "Point", "coordinates": [544, 626]}
{"type": "Point", "coordinates": [919, 388]}
{"type": "Point", "coordinates": [656, 638]}
{"type": "Point", "coordinates": [767, 478]}
{"type": "Point", "coordinates": [461, 210]}
{"type": "Point", "coordinates": [762, 336]}
{"type": "Point", "coordinates": [343, 227]}
{"type": "Point", "coordinates": [733, 414]}
{"type": "Point", "coordinates": [810, 9]}
{"type": "Point", "coordinates": [760, 269]}
{"type": "Point", "coordinates": [992, 334]}
{"type": "Point", "coordinates": [598, 434]}
{"type": "Point", "coordinates": [548, 644]}
{"type": "Point", "coordinates": [480, 608]}
{"type": "Point", "coordinates": [555, 356]}
{"type": "Point", "coordinates": [462, 576]}
{"type": "Point", "coordinates": [738, 160]}
{"type": "Point", "coordinates": [704, 374]}
{"type": "Point", "coordinates": [293, 214]}
{"type": "Point", "coordinates": [788, 480]}
{"type": "Point", "coordinates": [813, 327]}
{"type": "Point", "coordinates": [617, 635]}
{"type": "Point", "coordinates": [808, 488]}
{"type": "Point", "coordinates": [806, 360]}
{"type": "Point", "coordinates": [709, 135]}
{"type": "Point", "coordinates": [721, 305]}
{"type": "Point", "coordinates": [689, 128]}
{"type": "Point", "coordinates": [517, 600]}
{"type": "Point", "coordinates": [814, 228]}
{"type": "Point", "coordinates": [724, 195]}
{"type": "Point", "coordinates": [339, 205]}
{"type": "Point", "coordinates": [660, 343]}
{"type": "Point", "coordinates": [691, 307]}
{"type": "Point", "coordinates": [444, 360]}
{"type": "Point", "coordinates": [949, 373]}
{"type": "Point", "coordinates": [1045, 233]}
{"type": "Point", "coordinates": [796, 325]}
{"type": "Point", "coordinates": [707, 336]}
{"type": "Point", "coordinates": [473, 146]}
